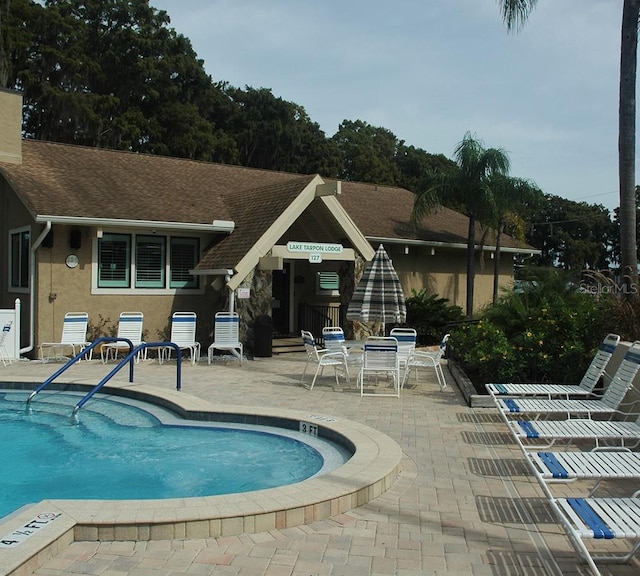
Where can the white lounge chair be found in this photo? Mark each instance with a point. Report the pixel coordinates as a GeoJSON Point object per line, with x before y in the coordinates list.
{"type": "Point", "coordinates": [183, 335]}
{"type": "Point", "coordinates": [4, 353]}
{"type": "Point", "coordinates": [599, 519]}
{"type": "Point", "coordinates": [73, 339]}
{"type": "Point", "coordinates": [380, 358]}
{"type": "Point", "coordinates": [322, 358]}
{"type": "Point", "coordinates": [428, 359]}
{"type": "Point", "coordinates": [130, 327]}
{"type": "Point", "coordinates": [407, 338]}
{"type": "Point", "coordinates": [610, 463]}
{"type": "Point", "coordinates": [608, 404]}
{"type": "Point", "coordinates": [528, 434]}
{"type": "Point", "coordinates": [586, 386]}
{"type": "Point", "coordinates": [334, 341]}
{"type": "Point", "coordinates": [226, 335]}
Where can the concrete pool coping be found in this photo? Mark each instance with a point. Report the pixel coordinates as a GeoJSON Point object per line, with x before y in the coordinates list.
{"type": "Point", "coordinates": [371, 471]}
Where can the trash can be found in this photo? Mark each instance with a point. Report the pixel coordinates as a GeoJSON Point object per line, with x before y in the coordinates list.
{"type": "Point", "coordinates": [263, 332]}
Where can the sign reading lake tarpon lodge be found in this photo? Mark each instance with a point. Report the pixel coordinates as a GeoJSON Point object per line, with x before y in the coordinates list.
{"type": "Point", "coordinates": [315, 247]}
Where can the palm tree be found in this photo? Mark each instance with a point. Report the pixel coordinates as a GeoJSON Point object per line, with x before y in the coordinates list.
{"type": "Point", "coordinates": [515, 14]}
{"type": "Point", "coordinates": [510, 195]}
{"type": "Point", "coordinates": [470, 185]}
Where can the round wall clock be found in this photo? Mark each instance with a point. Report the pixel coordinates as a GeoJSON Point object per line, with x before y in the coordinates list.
{"type": "Point", "coordinates": [72, 261]}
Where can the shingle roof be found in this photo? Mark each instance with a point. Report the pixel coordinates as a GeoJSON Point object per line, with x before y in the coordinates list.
{"type": "Point", "coordinates": [385, 212]}
{"type": "Point", "coordinates": [65, 180]}
{"type": "Point", "coordinates": [254, 211]}
{"type": "Point", "coordinates": [75, 181]}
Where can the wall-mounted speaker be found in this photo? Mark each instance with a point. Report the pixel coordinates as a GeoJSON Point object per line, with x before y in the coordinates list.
{"type": "Point", "coordinates": [75, 239]}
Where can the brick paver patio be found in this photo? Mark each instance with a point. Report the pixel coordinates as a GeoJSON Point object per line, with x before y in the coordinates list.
{"type": "Point", "coordinates": [464, 502]}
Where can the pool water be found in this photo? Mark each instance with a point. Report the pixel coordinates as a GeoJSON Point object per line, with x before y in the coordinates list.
{"type": "Point", "coordinates": [116, 450]}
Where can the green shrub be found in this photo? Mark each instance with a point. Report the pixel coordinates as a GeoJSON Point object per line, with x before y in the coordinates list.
{"type": "Point", "coordinates": [485, 353]}
{"type": "Point", "coordinates": [544, 331]}
{"type": "Point", "coordinates": [430, 315]}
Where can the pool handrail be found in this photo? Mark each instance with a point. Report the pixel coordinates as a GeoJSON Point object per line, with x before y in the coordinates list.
{"type": "Point", "coordinates": [77, 358]}
{"type": "Point", "coordinates": [130, 357]}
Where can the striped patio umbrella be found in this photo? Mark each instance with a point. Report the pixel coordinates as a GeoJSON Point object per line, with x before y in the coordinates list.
{"type": "Point", "coordinates": [378, 297]}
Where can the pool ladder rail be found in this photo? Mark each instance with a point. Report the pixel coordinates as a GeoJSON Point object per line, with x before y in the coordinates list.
{"type": "Point", "coordinates": [129, 358]}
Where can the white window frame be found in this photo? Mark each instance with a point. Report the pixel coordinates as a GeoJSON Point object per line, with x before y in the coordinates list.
{"type": "Point", "coordinates": [139, 290]}
{"type": "Point", "coordinates": [13, 232]}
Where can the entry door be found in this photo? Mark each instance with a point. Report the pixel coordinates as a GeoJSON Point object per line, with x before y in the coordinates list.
{"type": "Point", "coordinates": [281, 293]}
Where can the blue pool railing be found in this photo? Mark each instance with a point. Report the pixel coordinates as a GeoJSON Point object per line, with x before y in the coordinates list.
{"type": "Point", "coordinates": [128, 358]}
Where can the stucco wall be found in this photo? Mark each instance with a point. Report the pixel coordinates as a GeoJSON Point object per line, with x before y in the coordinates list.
{"type": "Point", "coordinates": [444, 273]}
{"type": "Point", "coordinates": [15, 216]}
{"type": "Point", "coordinates": [62, 289]}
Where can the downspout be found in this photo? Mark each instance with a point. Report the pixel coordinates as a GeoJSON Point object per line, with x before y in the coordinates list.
{"type": "Point", "coordinates": [32, 280]}
{"type": "Point", "coordinates": [232, 293]}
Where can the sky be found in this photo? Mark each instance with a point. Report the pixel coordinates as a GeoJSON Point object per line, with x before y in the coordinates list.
{"type": "Point", "coordinates": [431, 71]}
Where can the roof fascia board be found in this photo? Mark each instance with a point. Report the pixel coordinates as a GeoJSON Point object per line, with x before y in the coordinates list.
{"type": "Point", "coordinates": [215, 226]}
{"type": "Point", "coordinates": [456, 245]}
{"type": "Point", "coordinates": [264, 244]}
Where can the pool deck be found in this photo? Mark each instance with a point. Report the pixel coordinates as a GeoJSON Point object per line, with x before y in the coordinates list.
{"type": "Point", "coordinates": [463, 503]}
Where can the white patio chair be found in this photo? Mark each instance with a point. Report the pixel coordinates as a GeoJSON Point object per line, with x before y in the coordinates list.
{"type": "Point", "coordinates": [407, 338]}
{"type": "Point", "coordinates": [380, 358]}
{"type": "Point", "coordinates": [334, 341]}
{"type": "Point", "coordinates": [130, 327]}
{"type": "Point", "coordinates": [586, 386]}
{"type": "Point", "coordinates": [322, 358]}
{"type": "Point", "coordinates": [183, 335]}
{"type": "Point", "coordinates": [226, 335]}
{"type": "Point", "coordinates": [598, 519]}
{"type": "Point", "coordinates": [73, 339]}
{"type": "Point", "coordinates": [428, 359]}
{"type": "Point", "coordinates": [4, 353]}
{"type": "Point", "coordinates": [607, 404]}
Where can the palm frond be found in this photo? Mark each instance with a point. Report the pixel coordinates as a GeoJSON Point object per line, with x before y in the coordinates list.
{"type": "Point", "coordinates": [516, 12]}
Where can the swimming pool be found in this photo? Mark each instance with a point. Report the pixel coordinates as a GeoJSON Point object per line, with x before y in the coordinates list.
{"type": "Point", "coordinates": [371, 471]}
{"type": "Point", "coordinates": [118, 450]}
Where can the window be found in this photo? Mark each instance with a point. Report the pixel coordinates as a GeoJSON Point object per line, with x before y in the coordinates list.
{"type": "Point", "coordinates": [20, 242]}
{"type": "Point", "coordinates": [114, 261]}
{"type": "Point", "coordinates": [184, 257]}
{"type": "Point", "coordinates": [153, 262]}
{"type": "Point", "coordinates": [150, 262]}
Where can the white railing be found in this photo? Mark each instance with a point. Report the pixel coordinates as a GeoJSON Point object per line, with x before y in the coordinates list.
{"type": "Point", "coordinates": [12, 342]}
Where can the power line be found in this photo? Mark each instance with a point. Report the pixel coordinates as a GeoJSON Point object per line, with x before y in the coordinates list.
{"type": "Point", "coordinates": [594, 195]}
{"type": "Point", "coordinates": [592, 216]}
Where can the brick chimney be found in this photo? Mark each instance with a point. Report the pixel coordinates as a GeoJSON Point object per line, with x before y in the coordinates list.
{"type": "Point", "coordinates": [10, 126]}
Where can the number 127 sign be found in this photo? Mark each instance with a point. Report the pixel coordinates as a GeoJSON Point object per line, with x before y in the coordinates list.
{"type": "Point", "coordinates": [315, 258]}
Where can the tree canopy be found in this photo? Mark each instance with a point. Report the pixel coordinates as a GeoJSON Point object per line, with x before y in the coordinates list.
{"type": "Point", "coordinates": [114, 74]}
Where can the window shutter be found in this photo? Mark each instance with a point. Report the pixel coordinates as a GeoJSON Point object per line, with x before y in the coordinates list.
{"type": "Point", "coordinates": [113, 261]}
{"type": "Point", "coordinates": [184, 254]}
{"type": "Point", "coordinates": [150, 262]}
